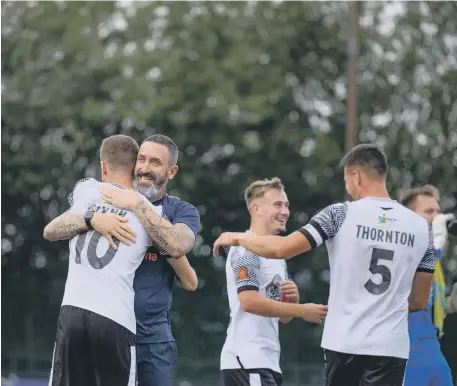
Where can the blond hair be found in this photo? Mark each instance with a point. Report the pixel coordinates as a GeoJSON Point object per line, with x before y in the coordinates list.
{"type": "Point", "coordinates": [409, 197]}
{"type": "Point", "coordinates": [258, 189]}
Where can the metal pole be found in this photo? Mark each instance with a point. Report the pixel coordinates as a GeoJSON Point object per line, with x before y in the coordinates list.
{"type": "Point", "coordinates": [353, 52]}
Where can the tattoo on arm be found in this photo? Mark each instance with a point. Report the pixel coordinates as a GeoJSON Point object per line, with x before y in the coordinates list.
{"type": "Point", "coordinates": [64, 227]}
{"type": "Point", "coordinates": [184, 238]}
{"type": "Point", "coordinates": [177, 239]}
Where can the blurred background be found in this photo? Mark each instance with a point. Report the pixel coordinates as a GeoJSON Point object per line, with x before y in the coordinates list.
{"type": "Point", "coordinates": [247, 90]}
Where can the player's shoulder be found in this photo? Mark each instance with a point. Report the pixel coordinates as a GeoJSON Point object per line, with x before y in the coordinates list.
{"type": "Point", "coordinates": [177, 202]}
{"type": "Point", "coordinates": [176, 205]}
{"type": "Point", "coordinates": [415, 220]}
{"type": "Point", "coordinates": [83, 187]}
{"type": "Point", "coordinates": [339, 206]}
{"type": "Point", "coordinates": [362, 203]}
{"type": "Point", "coordinates": [240, 253]}
{"type": "Point", "coordinates": [87, 182]}
{"type": "Point", "coordinates": [235, 253]}
{"type": "Point", "coordinates": [337, 210]}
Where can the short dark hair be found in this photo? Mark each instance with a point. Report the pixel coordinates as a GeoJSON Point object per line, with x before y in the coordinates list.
{"type": "Point", "coordinates": [168, 142]}
{"type": "Point", "coordinates": [369, 156]}
{"type": "Point", "coordinates": [119, 151]}
{"type": "Point", "coordinates": [409, 196]}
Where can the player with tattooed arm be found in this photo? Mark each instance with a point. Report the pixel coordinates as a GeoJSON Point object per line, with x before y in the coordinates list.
{"type": "Point", "coordinates": [172, 224]}
{"type": "Point", "coordinates": [95, 340]}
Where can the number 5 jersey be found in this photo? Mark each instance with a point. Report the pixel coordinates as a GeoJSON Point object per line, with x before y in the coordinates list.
{"type": "Point", "coordinates": [100, 278]}
{"type": "Point", "coordinates": [375, 246]}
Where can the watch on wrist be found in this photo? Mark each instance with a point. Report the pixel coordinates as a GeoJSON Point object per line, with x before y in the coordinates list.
{"type": "Point", "coordinates": [87, 217]}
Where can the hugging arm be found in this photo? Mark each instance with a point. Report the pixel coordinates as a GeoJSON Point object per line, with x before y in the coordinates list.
{"type": "Point", "coordinates": [65, 226]}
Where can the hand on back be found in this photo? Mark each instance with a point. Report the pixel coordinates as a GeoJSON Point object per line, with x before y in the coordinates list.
{"type": "Point", "coordinates": [112, 225]}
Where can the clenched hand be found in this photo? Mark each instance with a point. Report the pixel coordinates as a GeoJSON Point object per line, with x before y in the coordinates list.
{"type": "Point", "coordinates": [226, 239]}
{"type": "Point", "coordinates": [289, 291]}
{"type": "Point", "coordinates": [314, 313]}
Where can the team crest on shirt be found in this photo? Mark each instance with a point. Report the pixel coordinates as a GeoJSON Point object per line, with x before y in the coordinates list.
{"type": "Point", "coordinates": [242, 273]}
{"type": "Point", "coordinates": [273, 290]}
{"type": "Point", "coordinates": [383, 219]}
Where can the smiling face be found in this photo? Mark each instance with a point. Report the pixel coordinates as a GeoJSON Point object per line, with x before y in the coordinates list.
{"type": "Point", "coordinates": [153, 169]}
{"type": "Point", "coordinates": [272, 209]}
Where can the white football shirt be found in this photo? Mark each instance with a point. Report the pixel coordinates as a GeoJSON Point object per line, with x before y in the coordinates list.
{"type": "Point", "coordinates": [375, 246]}
{"type": "Point", "coordinates": [252, 340]}
{"type": "Point", "coordinates": [100, 279]}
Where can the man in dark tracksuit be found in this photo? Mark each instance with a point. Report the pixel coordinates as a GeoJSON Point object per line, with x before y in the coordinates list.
{"type": "Point", "coordinates": [156, 347]}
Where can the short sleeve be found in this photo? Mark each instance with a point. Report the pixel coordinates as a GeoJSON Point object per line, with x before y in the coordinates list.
{"type": "Point", "coordinates": [287, 277]}
{"type": "Point", "coordinates": [246, 269]}
{"type": "Point", "coordinates": [83, 195]}
{"type": "Point", "coordinates": [187, 214]}
{"type": "Point", "coordinates": [427, 263]}
{"type": "Point", "coordinates": [325, 224]}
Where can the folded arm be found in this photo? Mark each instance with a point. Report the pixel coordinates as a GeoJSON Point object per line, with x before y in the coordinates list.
{"type": "Point", "coordinates": [290, 294]}
{"type": "Point", "coordinates": [251, 301]}
{"type": "Point", "coordinates": [186, 274]}
{"type": "Point", "coordinates": [247, 273]}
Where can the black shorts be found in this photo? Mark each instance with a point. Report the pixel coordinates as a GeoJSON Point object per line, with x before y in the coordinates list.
{"type": "Point", "coordinates": [363, 370]}
{"type": "Point", "coordinates": [91, 350]}
{"type": "Point", "coordinates": [251, 377]}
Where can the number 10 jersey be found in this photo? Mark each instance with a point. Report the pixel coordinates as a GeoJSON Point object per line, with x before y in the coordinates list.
{"type": "Point", "coordinates": [100, 278]}
{"type": "Point", "coordinates": [375, 246]}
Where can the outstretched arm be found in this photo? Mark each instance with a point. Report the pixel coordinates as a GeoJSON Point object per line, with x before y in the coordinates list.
{"type": "Point", "coordinates": [322, 226]}
{"type": "Point", "coordinates": [273, 247]}
{"type": "Point", "coordinates": [65, 226]}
